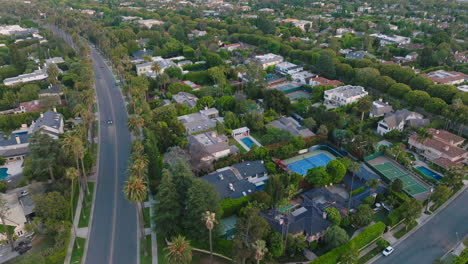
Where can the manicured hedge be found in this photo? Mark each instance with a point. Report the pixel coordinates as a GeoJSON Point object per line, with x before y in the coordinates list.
{"type": "Point", "coordinates": [232, 206]}
{"type": "Point", "coordinates": [358, 191]}
{"type": "Point", "coordinates": [361, 240]}
{"type": "Point", "coordinates": [200, 77]}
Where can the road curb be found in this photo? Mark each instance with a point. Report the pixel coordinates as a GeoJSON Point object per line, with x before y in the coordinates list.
{"type": "Point", "coordinates": [436, 212]}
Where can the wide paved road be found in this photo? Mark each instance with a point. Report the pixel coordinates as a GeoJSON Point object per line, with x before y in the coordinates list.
{"type": "Point", "coordinates": [435, 238]}
{"type": "Point", "coordinates": [113, 234]}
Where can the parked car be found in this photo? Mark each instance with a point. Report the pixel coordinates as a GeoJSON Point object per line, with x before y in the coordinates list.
{"type": "Point", "coordinates": [23, 247]}
{"type": "Point", "coordinates": [387, 251]}
{"type": "Point", "coordinates": [24, 193]}
{"type": "Point", "coordinates": [110, 122]}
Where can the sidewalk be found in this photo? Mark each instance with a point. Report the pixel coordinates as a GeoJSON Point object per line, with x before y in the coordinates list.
{"type": "Point", "coordinates": [76, 220]}
{"type": "Point", "coordinates": [421, 221]}
{"type": "Point", "coordinates": [154, 245]}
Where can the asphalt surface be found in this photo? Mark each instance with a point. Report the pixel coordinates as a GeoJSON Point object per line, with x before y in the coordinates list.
{"type": "Point", "coordinates": [113, 234]}
{"type": "Point", "coordinates": [437, 237]}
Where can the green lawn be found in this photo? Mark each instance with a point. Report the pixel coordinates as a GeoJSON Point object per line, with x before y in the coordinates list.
{"type": "Point", "coordinates": [381, 216]}
{"type": "Point", "coordinates": [161, 254]}
{"type": "Point", "coordinates": [77, 253]}
{"type": "Point", "coordinates": [145, 259]}
{"type": "Point", "coordinates": [86, 209]}
{"type": "Point", "coordinates": [146, 216]}
{"type": "Point", "coordinates": [239, 146]}
{"type": "Point", "coordinates": [374, 252]}
{"type": "Point", "coordinates": [11, 229]}
{"type": "Point", "coordinates": [405, 230]}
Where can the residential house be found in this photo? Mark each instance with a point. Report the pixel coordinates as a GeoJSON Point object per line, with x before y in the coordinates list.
{"type": "Point", "coordinates": [341, 31]}
{"type": "Point", "coordinates": [461, 57]}
{"type": "Point", "coordinates": [146, 68]}
{"type": "Point", "coordinates": [52, 90]}
{"type": "Point", "coordinates": [302, 77]}
{"type": "Point", "coordinates": [37, 75]}
{"type": "Point", "coordinates": [15, 146]}
{"type": "Point", "coordinates": [209, 146]}
{"type": "Point", "coordinates": [149, 23]}
{"type": "Point", "coordinates": [463, 88]}
{"type": "Point", "coordinates": [192, 85]}
{"type": "Point", "coordinates": [266, 10]}
{"type": "Point", "coordinates": [399, 120]}
{"type": "Point", "coordinates": [292, 126]}
{"type": "Point", "coordinates": [185, 98]}
{"type": "Point", "coordinates": [239, 179]}
{"type": "Point", "coordinates": [392, 39]}
{"type": "Point", "coordinates": [16, 30]}
{"type": "Point", "coordinates": [443, 148]}
{"type": "Point", "coordinates": [359, 55]}
{"type": "Point", "coordinates": [323, 81]}
{"type": "Point", "coordinates": [344, 95]}
{"type": "Point", "coordinates": [20, 212]}
{"type": "Point", "coordinates": [50, 123]}
{"type": "Point", "coordinates": [287, 68]}
{"type": "Point", "coordinates": [308, 218]}
{"type": "Point", "coordinates": [269, 59]}
{"type": "Point", "coordinates": [231, 47]}
{"type": "Point", "coordinates": [446, 77]}
{"type": "Point", "coordinates": [196, 34]}
{"type": "Point", "coordinates": [200, 121]}
{"type": "Point", "coordinates": [380, 108]}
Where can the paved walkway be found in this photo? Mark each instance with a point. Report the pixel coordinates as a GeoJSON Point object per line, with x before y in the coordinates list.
{"type": "Point", "coordinates": [6, 254]}
{"type": "Point", "coordinates": [152, 231]}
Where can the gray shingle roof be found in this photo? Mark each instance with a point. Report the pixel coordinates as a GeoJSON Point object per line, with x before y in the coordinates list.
{"type": "Point", "coordinates": [50, 119]}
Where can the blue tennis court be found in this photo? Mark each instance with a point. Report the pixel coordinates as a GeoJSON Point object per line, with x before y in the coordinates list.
{"type": "Point", "coordinates": [302, 166]}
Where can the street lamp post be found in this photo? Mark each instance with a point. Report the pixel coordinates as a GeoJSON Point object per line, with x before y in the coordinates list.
{"type": "Point", "coordinates": [429, 199]}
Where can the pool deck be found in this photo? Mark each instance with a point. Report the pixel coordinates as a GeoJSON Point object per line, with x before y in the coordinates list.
{"type": "Point", "coordinates": [14, 168]}
{"type": "Point", "coordinates": [239, 140]}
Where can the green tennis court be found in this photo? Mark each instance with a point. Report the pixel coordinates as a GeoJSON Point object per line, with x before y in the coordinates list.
{"type": "Point", "coordinates": [392, 172]}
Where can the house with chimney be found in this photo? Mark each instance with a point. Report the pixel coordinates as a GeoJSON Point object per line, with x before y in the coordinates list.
{"type": "Point", "coordinates": [446, 77]}
{"type": "Point", "coordinates": [442, 148]}
{"type": "Point", "coordinates": [400, 119]}
{"type": "Point", "coordinates": [380, 108]}
{"type": "Point", "coordinates": [238, 180]}
{"type": "Point", "coordinates": [308, 217]}
{"type": "Point", "coordinates": [210, 146]}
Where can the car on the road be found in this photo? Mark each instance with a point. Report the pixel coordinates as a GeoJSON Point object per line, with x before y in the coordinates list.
{"type": "Point", "coordinates": [102, 66]}
{"type": "Point", "coordinates": [24, 193]}
{"type": "Point", "coordinates": [109, 122]}
{"type": "Point", "coordinates": [387, 251]}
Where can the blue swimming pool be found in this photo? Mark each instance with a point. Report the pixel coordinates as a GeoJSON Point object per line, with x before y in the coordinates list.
{"type": "Point", "coordinates": [429, 173]}
{"type": "Point", "coordinates": [3, 173]}
{"type": "Point", "coordinates": [303, 165]}
{"type": "Point", "coordinates": [247, 141]}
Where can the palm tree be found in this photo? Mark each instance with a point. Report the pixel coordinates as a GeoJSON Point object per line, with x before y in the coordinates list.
{"type": "Point", "coordinates": [373, 184]}
{"type": "Point", "coordinates": [354, 168]}
{"type": "Point", "coordinates": [363, 106]}
{"type": "Point", "coordinates": [260, 250]}
{"type": "Point", "coordinates": [135, 123]}
{"type": "Point", "coordinates": [72, 174]}
{"type": "Point", "coordinates": [72, 145]}
{"type": "Point", "coordinates": [156, 68]}
{"type": "Point", "coordinates": [210, 219]}
{"type": "Point", "coordinates": [4, 212]}
{"type": "Point", "coordinates": [178, 251]}
{"type": "Point", "coordinates": [139, 165]}
{"type": "Point", "coordinates": [138, 147]}
{"type": "Point", "coordinates": [135, 191]}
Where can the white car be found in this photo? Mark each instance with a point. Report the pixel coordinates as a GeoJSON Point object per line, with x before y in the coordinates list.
{"type": "Point", "coordinates": [387, 251]}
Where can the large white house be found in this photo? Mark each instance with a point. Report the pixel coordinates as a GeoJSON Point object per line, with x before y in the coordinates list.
{"type": "Point", "coordinates": [393, 39]}
{"type": "Point", "coordinates": [344, 95]}
{"type": "Point", "coordinates": [37, 75]}
{"type": "Point", "coordinates": [269, 59]}
{"type": "Point", "coordinates": [287, 68]}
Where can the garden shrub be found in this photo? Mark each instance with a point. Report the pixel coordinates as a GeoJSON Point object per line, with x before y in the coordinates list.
{"type": "Point", "coordinates": [361, 240]}
{"type": "Point", "coordinates": [232, 206]}
{"type": "Point", "coordinates": [358, 191]}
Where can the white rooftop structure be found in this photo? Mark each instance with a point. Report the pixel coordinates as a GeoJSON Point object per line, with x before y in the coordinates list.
{"type": "Point", "coordinates": [344, 95]}
{"type": "Point", "coordinates": [36, 75]}
{"type": "Point", "coordinates": [393, 39]}
{"type": "Point", "coordinates": [268, 59]}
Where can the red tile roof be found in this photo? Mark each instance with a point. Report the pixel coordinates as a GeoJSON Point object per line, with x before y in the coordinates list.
{"type": "Point", "coordinates": [447, 149]}
{"type": "Point", "coordinates": [438, 76]}
{"type": "Point", "coordinates": [325, 81]}
{"type": "Point", "coordinates": [445, 136]}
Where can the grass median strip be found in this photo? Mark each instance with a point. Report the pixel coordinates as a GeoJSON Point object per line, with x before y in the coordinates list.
{"type": "Point", "coordinates": [87, 204]}
{"type": "Point", "coordinates": [374, 252]}
{"type": "Point", "coordinates": [146, 216]}
{"type": "Point", "coordinates": [405, 230]}
{"type": "Point", "coordinates": [146, 259]}
{"type": "Point", "coordinates": [77, 253]}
